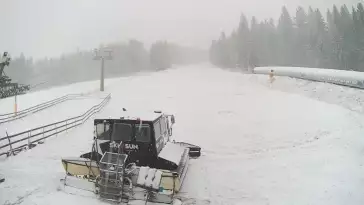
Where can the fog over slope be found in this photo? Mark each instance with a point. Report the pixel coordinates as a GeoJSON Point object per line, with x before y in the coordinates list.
{"type": "Point", "coordinates": [50, 27]}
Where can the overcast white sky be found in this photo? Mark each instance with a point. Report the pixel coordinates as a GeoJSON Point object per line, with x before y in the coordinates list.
{"type": "Point", "coordinates": [42, 28]}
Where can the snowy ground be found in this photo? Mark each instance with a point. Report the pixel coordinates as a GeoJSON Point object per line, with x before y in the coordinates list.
{"type": "Point", "coordinates": [260, 145]}
{"type": "Point", "coordinates": [34, 98]}
{"type": "Point", "coordinates": [51, 115]}
{"type": "Point", "coordinates": [68, 109]}
{"type": "Point", "coordinates": [350, 98]}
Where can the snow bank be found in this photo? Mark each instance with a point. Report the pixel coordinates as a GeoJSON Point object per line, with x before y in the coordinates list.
{"type": "Point", "coordinates": [347, 97]}
{"type": "Point", "coordinates": [341, 77]}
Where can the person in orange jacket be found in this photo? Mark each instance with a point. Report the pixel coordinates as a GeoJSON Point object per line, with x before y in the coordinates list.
{"type": "Point", "coordinates": [271, 76]}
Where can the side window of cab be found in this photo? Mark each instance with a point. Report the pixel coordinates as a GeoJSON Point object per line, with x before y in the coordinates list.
{"type": "Point", "coordinates": [164, 126]}
{"type": "Point", "coordinates": [158, 135]}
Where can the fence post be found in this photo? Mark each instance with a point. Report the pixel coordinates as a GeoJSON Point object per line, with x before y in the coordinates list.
{"type": "Point", "coordinates": [11, 147]}
{"type": "Point", "coordinates": [29, 134]}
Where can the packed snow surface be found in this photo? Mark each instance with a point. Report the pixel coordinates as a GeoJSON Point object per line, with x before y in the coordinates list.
{"type": "Point", "coordinates": [291, 143]}
{"type": "Point", "coordinates": [34, 98]}
{"type": "Point", "coordinates": [59, 112]}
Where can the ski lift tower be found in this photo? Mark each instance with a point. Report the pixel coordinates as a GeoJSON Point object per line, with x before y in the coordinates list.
{"type": "Point", "coordinates": [102, 54]}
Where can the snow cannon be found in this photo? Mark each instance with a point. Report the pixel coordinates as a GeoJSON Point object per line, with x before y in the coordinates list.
{"type": "Point", "coordinates": [132, 158]}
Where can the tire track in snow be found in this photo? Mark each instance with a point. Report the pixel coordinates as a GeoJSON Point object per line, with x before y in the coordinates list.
{"type": "Point", "coordinates": [294, 145]}
{"type": "Point", "coordinates": [21, 198]}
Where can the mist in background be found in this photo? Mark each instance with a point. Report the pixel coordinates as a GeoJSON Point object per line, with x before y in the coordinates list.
{"type": "Point", "coordinates": [51, 41]}
{"type": "Point", "coordinates": [41, 28]}
{"type": "Point", "coordinates": [300, 39]}
{"type": "Point", "coordinates": [127, 58]}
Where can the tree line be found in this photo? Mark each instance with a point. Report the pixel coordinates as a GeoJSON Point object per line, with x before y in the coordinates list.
{"type": "Point", "coordinates": [305, 39]}
{"type": "Point", "coordinates": [129, 57]}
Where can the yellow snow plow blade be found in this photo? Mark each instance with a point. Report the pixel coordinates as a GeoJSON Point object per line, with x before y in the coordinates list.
{"type": "Point", "coordinates": [80, 167]}
{"type": "Point", "coordinates": [169, 181]}
{"type": "Point", "coordinates": [85, 167]}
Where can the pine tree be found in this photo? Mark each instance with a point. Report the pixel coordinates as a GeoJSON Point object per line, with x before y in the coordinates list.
{"type": "Point", "coordinates": [337, 43]}
{"type": "Point", "coordinates": [320, 39]}
{"type": "Point", "coordinates": [272, 43]}
{"type": "Point", "coordinates": [286, 36]}
{"type": "Point", "coordinates": [348, 44]}
{"type": "Point", "coordinates": [138, 55]}
{"type": "Point", "coordinates": [243, 42]}
{"type": "Point", "coordinates": [233, 49]}
{"type": "Point", "coordinates": [332, 37]}
{"type": "Point", "coordinates": [359, 25]}
{"type": "Point", "coordinates": [360, 13]}
{"type": "Point", "coordinates": [301, 37]}
{"type": "Point", "coordinates": [255, 43]}
{"type": "Point", "coordinates": [160, 56]}
{"type": "Point", "coordinates": [306, 41]}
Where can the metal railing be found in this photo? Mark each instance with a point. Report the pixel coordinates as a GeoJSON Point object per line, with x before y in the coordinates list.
{"type": "Point", "coordinates": [22, 113]}
{"type": "Point", "coordinates": [28, 138]}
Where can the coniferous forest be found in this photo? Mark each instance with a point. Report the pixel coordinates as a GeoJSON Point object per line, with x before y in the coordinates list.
{"type": "Point", "coordinates": [307, 38]}
{"type": "Point", "coordinates": [128, 57]}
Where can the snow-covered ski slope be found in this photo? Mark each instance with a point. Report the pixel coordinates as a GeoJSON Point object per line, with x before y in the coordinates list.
{"type": "Point", "coordinates": [50, 115]}
{"type": "Point", "coordinates": [34, 98]}
{"type": "Point", "coordinates": [261, 145]}
{"type": "Point", "coordinates": [73, 107]}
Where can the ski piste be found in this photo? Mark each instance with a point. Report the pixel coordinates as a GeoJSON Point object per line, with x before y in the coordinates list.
{"type": "Point", "coordinates": [311, 155]}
